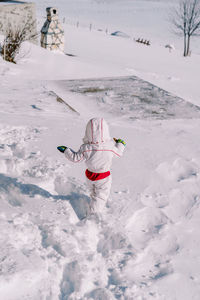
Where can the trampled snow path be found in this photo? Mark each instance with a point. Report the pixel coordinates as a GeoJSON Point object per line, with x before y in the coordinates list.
{"type": "Point", "coordinates": [147, 245]}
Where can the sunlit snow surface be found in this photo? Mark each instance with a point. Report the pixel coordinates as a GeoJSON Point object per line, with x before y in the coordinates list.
{"type": "Point", "coordinates": [146, 245]}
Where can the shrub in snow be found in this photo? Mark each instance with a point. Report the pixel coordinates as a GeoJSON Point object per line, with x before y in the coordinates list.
{"type": "Point", "coordinates": [14, 39]}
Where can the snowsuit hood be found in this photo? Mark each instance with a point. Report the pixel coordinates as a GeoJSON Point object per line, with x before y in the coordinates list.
{"type": "Point", "coordinates": [96, 132]}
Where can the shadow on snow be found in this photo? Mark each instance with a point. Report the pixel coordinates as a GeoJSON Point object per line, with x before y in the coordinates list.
{"type": "Point", "coordinates": [78, 201]}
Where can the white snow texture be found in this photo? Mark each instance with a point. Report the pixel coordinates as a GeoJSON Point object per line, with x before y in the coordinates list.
{"type": "Point", "coordinates": [145, 244]}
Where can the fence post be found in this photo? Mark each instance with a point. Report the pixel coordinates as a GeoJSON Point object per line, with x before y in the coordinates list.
{"type": "Point", "coordinates": [90, 27]}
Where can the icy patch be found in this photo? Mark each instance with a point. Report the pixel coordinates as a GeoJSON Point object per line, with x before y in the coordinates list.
{"type": "Point", "coordinates": [132, 97]}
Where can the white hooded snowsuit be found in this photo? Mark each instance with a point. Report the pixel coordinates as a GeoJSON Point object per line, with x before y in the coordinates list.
{"type": "Point", "coordinates": [97, 152]}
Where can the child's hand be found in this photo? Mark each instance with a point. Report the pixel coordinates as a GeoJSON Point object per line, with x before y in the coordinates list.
{"type": "Point", "coordinates": [62, 148]}
{"type": "Point", "coordinates": [119, 141]}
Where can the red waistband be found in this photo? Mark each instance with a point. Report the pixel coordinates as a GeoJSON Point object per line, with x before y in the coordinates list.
{"type": "Point", "coordinates": [96, 176]}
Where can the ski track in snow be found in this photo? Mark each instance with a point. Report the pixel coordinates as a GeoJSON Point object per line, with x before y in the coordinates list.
{"type": "Point", "coordinates": [137, 247]}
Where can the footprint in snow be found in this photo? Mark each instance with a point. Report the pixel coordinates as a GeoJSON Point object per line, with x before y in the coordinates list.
{"type": "Point", "coordinates": [111, 241]}
{"type": "Point", "coordinates": [154, 199]}
{"type": "Point", "coordinates": [71, 280]}
{"type": "Point", "coordinates": [100, 294]}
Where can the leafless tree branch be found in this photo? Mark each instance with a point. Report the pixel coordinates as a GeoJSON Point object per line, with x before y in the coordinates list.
{"type": "Point", "coordinates": [186, 21]}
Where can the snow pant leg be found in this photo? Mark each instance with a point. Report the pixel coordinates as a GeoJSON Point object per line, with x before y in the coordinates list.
{"type": "Point", "coordinates": [99, 192]}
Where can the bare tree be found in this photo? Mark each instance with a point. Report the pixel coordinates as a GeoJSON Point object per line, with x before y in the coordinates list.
{"type": "Point", "coordinates": [14, 38]}
{"type": "Point", "coordinates": [186, 21]}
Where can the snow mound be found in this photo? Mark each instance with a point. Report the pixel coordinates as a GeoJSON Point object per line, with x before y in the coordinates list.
{"type": "Point", "coordinates": [179, 170]}
{"type": "Point", "coordinates": [144, 224]}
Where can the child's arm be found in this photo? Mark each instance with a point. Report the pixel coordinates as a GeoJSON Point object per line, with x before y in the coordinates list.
{"type": "Point", "coordinates": [71, 154]}
{"type": "Point", "coordinates": [119, 146]}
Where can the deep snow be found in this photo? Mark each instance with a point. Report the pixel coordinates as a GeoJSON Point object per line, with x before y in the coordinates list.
{"type": "Point", "coordinates": [146, 244]}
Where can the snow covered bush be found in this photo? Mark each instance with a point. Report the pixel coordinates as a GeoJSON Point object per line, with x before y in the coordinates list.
{"type": "Point", "coordinates": [14, 39]}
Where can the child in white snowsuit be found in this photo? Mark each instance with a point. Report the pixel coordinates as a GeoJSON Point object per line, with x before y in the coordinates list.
{"type": "Point", "coordinates": [97, 152]}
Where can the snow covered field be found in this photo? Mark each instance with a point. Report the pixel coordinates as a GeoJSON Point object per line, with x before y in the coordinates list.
{"type": "Point", "coordinates": [147, 244]}
{"type": "Point", "coordinates": [148, 19]}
